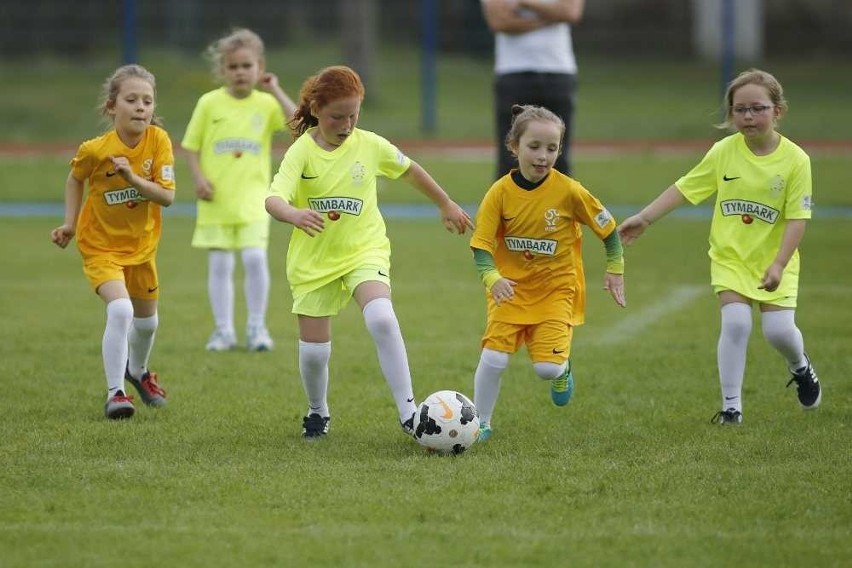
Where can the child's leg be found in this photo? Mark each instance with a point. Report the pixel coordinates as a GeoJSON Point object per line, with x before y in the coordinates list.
{"type": "Point", "coordinates": [731, 352]}
{"type": "Point", "coordinates": [141, 341]}
{"type": "Point", "coordinates": [256, 285]}
{"type": "Point", "coordinates": [220, 288]}
{"type": "Point", "coordinates": [486, 382]}
{"type": "Point", "coordinates": [779, 328]}
{"type": "Point", "coordinates": [383, 326]}
{"type": "Point", "coordinates": [313, 368]}
{"type": "Point", "coordinates": [119, 314]}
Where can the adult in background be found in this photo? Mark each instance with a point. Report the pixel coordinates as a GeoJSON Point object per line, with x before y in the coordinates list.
{"type": "Point", "coordinates": [534, 64]}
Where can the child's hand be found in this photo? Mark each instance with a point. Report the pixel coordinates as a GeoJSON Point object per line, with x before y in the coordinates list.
{"type": "Point", "coordinates": [631, 228]}
{"type": "Point", "coordinates": [62, 235]}
{"type": "Point", "coordinates": [309, 221]}
{"type": "Point", "coordinates": [204, 189]}
{"type": "Point", "coordinates": [771, 278]}
{"type": "Point", "coordinates": [268, 82]}
{"type": "Point", "coordinates": [615, 284]}
{"type": "Point", "coordinates": [122, 166]}
{"type": "Point", "coordinates": [455, 219]}
{"type": "Point", "coordinates": [503, 290]}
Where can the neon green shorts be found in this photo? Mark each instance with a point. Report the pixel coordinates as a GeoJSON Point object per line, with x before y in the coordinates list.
{"type": "Point", "coordinates": [232, 237]}
{"type": "Point", "coordinates": [330, 299]}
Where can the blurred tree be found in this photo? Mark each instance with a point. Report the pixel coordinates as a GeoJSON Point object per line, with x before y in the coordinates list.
{"type": "Point", "coordinates": [358, 31]}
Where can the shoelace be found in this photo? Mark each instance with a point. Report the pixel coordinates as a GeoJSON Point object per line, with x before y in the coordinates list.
{"type": "Point", "coordinates": [122, 398]}
{"type": "Point", "coordinates": [561, 383]}
{"type": "Point", "coordinates": [149, 383]}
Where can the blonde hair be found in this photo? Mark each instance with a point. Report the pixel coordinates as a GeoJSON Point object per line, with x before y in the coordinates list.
{"type": "Point", "coordinates": [239, 38]}
{"type": "Point", "coordinates": [112, 86]}
{"type": "Point", "coordinates": [330, 84]}
{"type": "Point", "coordinates": [752, 77]}
{"type": "Point", "coordinates": [522, 116]}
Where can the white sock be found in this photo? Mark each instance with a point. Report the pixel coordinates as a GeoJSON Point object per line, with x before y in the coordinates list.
{"type": "Point", "coordinates": [119, 314]}
{"type": "Point", "coordinates": [731, 354]}
{"type": "Point", "coordinates": [548, 371]}
{"type": "Point", "coordinates": [140, 340]}
{"type": "Point", "coordinates": [384, 328]}
{"type": "Point", "coordinates": [220, 288]}
{"type": "Point", "coordinates": [313, 368]}
{"type": "Point", "coordinates": [256, 285]}
{"type": "Point", "coordinates": [486, 382]}
{"type": "Point", "coordinates": [779, 328]}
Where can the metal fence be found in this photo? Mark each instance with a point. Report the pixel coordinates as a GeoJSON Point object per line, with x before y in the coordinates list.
{"type": "Point", "coordinates": [637, 27]}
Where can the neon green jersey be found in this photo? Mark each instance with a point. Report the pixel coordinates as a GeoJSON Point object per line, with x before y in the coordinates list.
{"type": "Point", "coordinates": [233, 138]}
{"type": "Point", "coordinates": [755, 196]}
{"type": "Point", "coordinates": [341, 184]}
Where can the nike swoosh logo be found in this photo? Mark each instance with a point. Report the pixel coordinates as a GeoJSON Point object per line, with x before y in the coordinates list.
{"type": "Point", "coordinates": [730, 398]}
{"type": "Point", "coordinates": [508, 218]}
{"type": "Point", "coordinates": [110, 174]}
{"type": "Point", "coordinates": [382, 274]}
{"type": "Point", "coordinates": [726, 178]}
{"type": "Point", "coordinates": [409, 399]}
{"type": "Point", "coordinates": [448, 412]}
{"type": "Point", "coordinates": [309, 177]}
{"type": "Point", "coordinates": [217, 120]}
{"type": "Point", "coordinates": [558, 351]}
{"type": "Point", "coordinates": [154, 289]}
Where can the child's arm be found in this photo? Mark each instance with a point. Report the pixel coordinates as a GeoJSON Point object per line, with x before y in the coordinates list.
{"type": "Point", "coordinates": [632, 227]}
{"type": "Point", "coordinates": [455, 218]}
{"type": "Point", "coordinates": [269, 83]}
{"type": "Point", "coordinates": [203, 186]}
{"type": "Point", "coordinates": [150, 190]}
{"type": "Point", "coordinates": [570, 11]}
{"type": "Point", "coordinates": [308, 220]}
{"type": "Point", "coordinates": [63, 234]}
{"type": "Point", "coordinates": [501, 289]}
{"type": "Point", "coordinates": [503, 16]}
{"type": "Point", "coordinates": [793, 234]}
{"type": "Point", "coordinates": [614, 278]}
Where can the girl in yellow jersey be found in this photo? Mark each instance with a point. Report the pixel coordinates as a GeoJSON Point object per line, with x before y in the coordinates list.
{"type": "Point", "coordinates": [762, 183]}
{"type": "Point", "coordinates": [528, 250]}
{"type": "Point", "coordinates": [130, 174]}
{"type": "Point", "coordinates": [228, 143]}
{"type": "Point", "coordinates": [326, 188]}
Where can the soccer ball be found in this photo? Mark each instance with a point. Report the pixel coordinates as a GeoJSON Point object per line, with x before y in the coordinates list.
{"type": "Point", "coordinates": [446, 422]}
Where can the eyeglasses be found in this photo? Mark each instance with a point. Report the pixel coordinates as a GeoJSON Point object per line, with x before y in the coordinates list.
{"type": "Point", "coordinates": [753, 109]}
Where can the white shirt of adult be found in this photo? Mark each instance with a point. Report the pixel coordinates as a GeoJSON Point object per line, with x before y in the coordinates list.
{"type": "Point", "coordinates": [548, 49]}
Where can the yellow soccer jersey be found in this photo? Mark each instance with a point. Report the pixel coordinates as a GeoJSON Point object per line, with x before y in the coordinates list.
{"type": "Point", "coordinates": [234, 140]}
{"type": "Point", "coordinates": [116, 221]}
{"type": "Point", "coordinates": [755, 196]}
{"type": "Point", "coordinates": [340, 184]}
{"type": "Point", "coordinates": [536, 240]}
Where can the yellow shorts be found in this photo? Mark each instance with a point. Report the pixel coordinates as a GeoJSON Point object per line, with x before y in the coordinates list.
{"type": "Point", "coordinates": [548, 341]}
{"type": "Point", "coordinates": [140, 279]}
{"type": "Point", "coordinates": [783, 302]}
{"type": "Point", "coordinates": [232, 237]}
{"type": "Point", "coordinates": [330, 299]}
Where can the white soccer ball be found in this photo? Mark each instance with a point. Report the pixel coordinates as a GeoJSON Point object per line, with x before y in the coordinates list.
{"type": "Point", "coordinates": [446, 422]}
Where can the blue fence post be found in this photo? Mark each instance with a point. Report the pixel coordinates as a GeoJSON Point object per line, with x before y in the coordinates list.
{"type": "Point", "coordinates": [428, 75]}
{"type": "Point", "coordinates": [128, 32]}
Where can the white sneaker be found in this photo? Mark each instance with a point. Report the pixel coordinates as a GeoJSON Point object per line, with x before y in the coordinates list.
{"type": "Point", "coordinates": [221, 341]}
{"type": "Point", "coordinates": [258, 339]}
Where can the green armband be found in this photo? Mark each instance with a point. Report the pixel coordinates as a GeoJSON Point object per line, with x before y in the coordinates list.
{"type": "Point", "coordinates": [614, 253]}
{"type": "Point", "coordinates": [615, 266]}
{"type": "Point", "coordinates": [488, 272]}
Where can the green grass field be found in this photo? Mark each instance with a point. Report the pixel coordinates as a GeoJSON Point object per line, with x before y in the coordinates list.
{"type": "Point", "coordinates": [631, 473]}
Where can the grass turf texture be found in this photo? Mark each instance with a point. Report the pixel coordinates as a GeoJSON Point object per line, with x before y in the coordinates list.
{"type": "Point", "coordinates": [631, 472]}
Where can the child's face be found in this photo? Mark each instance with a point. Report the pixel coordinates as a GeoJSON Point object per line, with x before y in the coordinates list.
{"type": "Point", "coordinates": [538, 149]}
{"type": "Point", "coordinates": [337, 119]}
{"type": "Point", "coordinates": [133, 107]}
{"type": "Point", "coordinates": [753, 111]}
{"type": "Point", "coordinates": [241, 69]}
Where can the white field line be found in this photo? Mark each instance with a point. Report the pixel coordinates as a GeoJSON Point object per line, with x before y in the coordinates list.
{"type": "Point", "coordinates": [629, 327]}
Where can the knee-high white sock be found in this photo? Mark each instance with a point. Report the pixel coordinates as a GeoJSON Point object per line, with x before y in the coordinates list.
{"type": "Point", "coordinates": [779, 328]}
{"type": "Point", "coordinates": [384, 328]}
{"type": "Point", "coordinates": [486, 382]}
{"type": "Point", "coordinates": [256, 285]}
{"type": "Point", "coordinates": [220, 288]}
{"type": "Point", "coordinates": [119, 314]}
{"type": "Point", "coordinates": [313, 368]}
{"type": "Point", "coordinates": [731, 354]}
{"type": "Point", "coordinates": [140, 341]}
